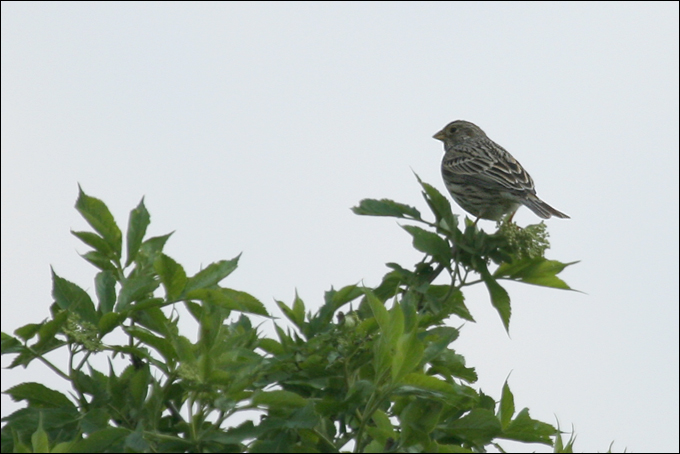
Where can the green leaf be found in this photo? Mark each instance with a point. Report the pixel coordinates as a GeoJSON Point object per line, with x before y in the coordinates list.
{"type": "Point", "coordinates": [429, 386]}
{"type": "Point", "coordinates": [538, 271]}
{"type": "Point", "coordinates": [334, 299]}
{"type": "Point", "coordinates": [105, 287]}
{"type": "Point", "coordinates": [71, 297]}
{"type": "Point", "coordinates": [299, 309]}
{"type": "Point", "coordinates": [449, 364]}
{"type": "Point", "coordinates": [39, 395]}
{"type": "Point", "coordinates": [162, 345]}
{"type": "Point", "coordinates": [448, 300]}
{"type": "Point", "coordinates": [506, 409]}
{"type": "Point", "coordinates": [385, 207]}
{"type": "Point", "coordinates": [135, 442]}
{"type": "Point", "coordinates": [99, 260]}
{"type": "Point", "coordinates": [270, 346]}
{"type": "Point", "coordinates": [109, 322]}
{"type": "Point", "coordinates": [100, 441]}
{"type": "Point", "coordinates": [279, 398]}
{"type": "Point", "coordinates": [379, 312]}
{"type": "Point", "coordinates": [184, 349]}
{"type": "Point", "coordinates": [63, 447]}
{"type": "Point", "coordinates": [96, 242]}
{"type": "Point", "coordinates": [11, 344]}
{"type": "Point", "coordinates": [39, 440]}
{"type": "Point", "coordinates": [419, 418]}
{"type": "Point", "coordinates": [499, 297]}
{"type": "Point", "coordinates": [212, 274]}
{"type": "Point", "coordinates": [345, 295]}
{"type": "Point", "coordinates": [139, 221]}
{"type": "Point", "coordinates": [139, 386]}
{"type": "Point", "coordinates": [430, 243]}
{"type": "Point", "coordinates": [480, 426]}
{"type": "Point", "coordinates": [49, 329]}
{"type": "Point", "coordinates": [172, 275]}
{"type": "Point", "coordinates": [441, 337]}
{"type": "Point", "coordinates": [153, 246]}
{"type": "Point", "coordinates": [410, 351]}
{"type": "Point", "coordinates": [229, 299]}
{"type": "Point", "coordinates": [135, 289]}
{"type": "Point", "coordinates": [383, 429]}
{"type": "Point", "coordinates": [524, 428]}
{"type": "Point", "coordinates": [97, 214]}
{"type": "Point", "coordinates": [27, 332]}
{"type": "Point", "coordinates": [439, 205]}
{"type": "Point", "coordinates": [290, 313]}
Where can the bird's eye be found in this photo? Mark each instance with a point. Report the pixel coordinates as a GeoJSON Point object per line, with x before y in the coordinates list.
{"type": "Point", "coordinates": [452, 129]}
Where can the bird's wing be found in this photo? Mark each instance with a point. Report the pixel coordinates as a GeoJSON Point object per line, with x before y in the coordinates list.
{"type": "Point", "coordinates": [488, 165]}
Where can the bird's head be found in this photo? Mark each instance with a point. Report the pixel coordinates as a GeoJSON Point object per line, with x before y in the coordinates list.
{"type": "Point", "coordinates": [459, 131]}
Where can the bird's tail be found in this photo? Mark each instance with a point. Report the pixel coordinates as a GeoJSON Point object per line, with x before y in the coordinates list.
{"type": "Point", "coordinates": [542, 209]}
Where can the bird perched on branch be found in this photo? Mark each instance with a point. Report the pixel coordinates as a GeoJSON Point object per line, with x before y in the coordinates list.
{"type": "Point", "coordinates": [483, 178]}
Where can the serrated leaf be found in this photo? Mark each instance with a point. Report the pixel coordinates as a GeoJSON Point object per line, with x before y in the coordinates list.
{"type": "Point", "coordinates": [430, 243]}
{"type": "Point", "coordinates": [137, 224]}
{"type": "Point", "coordinates": [49, 329]}
{"type": "Point", "coordinates": [451, 301]}
{"type": "Point", "coordinates": [440, 206]}
{"type": "Point", "coordinates": [105, 288]}
{"type": "Point", "coordinates": [443, 336]}
{"type": "Point", "coordinates": [449, 363]}
{"type": "Point", "coordinates": [421, 415]}
{"type": "Point", "coordinates": [134, 289]}
{"type": "Point", "coordinates": [162, 345]}
{"type": "Point", "coordinates": [538, 271]}
{"type": "Point", "coordinates": [69, 296]}
{"type": "Point", "coordinates": [100, 441]}
{"type": "Point", "coordinates": [499, 296]}
{"type": "Point", "coordinates": [379, 311]}
{"type": "Point", "coordinates": [506, 409]}
{"type": "Point", "coordinates": [39, 440]}
{"type": "Point", "coordinates": [151, 248]}
{"type": "Point", "coordinates": [27, 332]}
{"type": "Point", "coordinates": [97, 214]}
{"type": "Point", "coordinates": [229, 299]}
{"type": "Point", "coordinates": [10, 344]}
{"type": "Point", "coordinates": [212, 274]}
{"type": "Point", "coordinates": [524, 428]}
{"type": "Point", "coordinates": [109, 322]}
{"type": "Point", "coordinates": [172, 275]}
{"type": "Point", "coordinates": [479, 426]}
{"type": "Point", "coordinates": [270, 346]}
{"type": "Point", "coordinates": [410, 349]}
{"type": "Point", "coordinates": [39, 395]}
{"type": "Point", "coordinates": [434, 387]}
{"type": "Point", "coordinates": [299, 309]}
{"type": "Point", "coordinates": [386, 207]}
{"type": "Point", "coordinates": [184, 349]}
{"type": "Point", "coordinates": [99, 260]}
{"type": "Point", "coordinates": [288, 312]}
{"type": "Point", "coordinates": [96, 242]}
{"type": "Point", "coordinates": [279, 398]}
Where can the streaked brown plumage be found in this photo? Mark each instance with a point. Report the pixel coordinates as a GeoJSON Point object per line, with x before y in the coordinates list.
{"type": "Point", "coordinates": [483, 178]}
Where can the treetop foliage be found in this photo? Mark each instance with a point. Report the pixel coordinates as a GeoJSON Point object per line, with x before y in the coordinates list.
{"type": "Point", "coordinates": [373, 370]}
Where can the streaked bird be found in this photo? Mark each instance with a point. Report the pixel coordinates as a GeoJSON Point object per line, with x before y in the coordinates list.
{"type": "Point", "coordinates": [483, 178]}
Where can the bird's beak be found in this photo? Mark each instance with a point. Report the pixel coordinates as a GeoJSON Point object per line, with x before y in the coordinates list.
{"type": "Point", "coordinates": [439, 135]}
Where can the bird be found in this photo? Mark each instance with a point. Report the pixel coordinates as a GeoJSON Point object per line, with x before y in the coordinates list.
{"type": "Point", "coordinates": [485, 179]}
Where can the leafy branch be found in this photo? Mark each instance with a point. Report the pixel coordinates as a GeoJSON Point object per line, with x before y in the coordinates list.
{"type": "Point", "coordinates": [372, 370]}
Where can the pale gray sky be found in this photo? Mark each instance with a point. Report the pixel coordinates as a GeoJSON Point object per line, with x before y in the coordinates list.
{"type": "Point", "coordinates": [255, 127]}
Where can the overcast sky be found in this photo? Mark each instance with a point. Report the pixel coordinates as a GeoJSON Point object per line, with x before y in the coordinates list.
{"type": "Point", "coordinates": [255, 127]}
